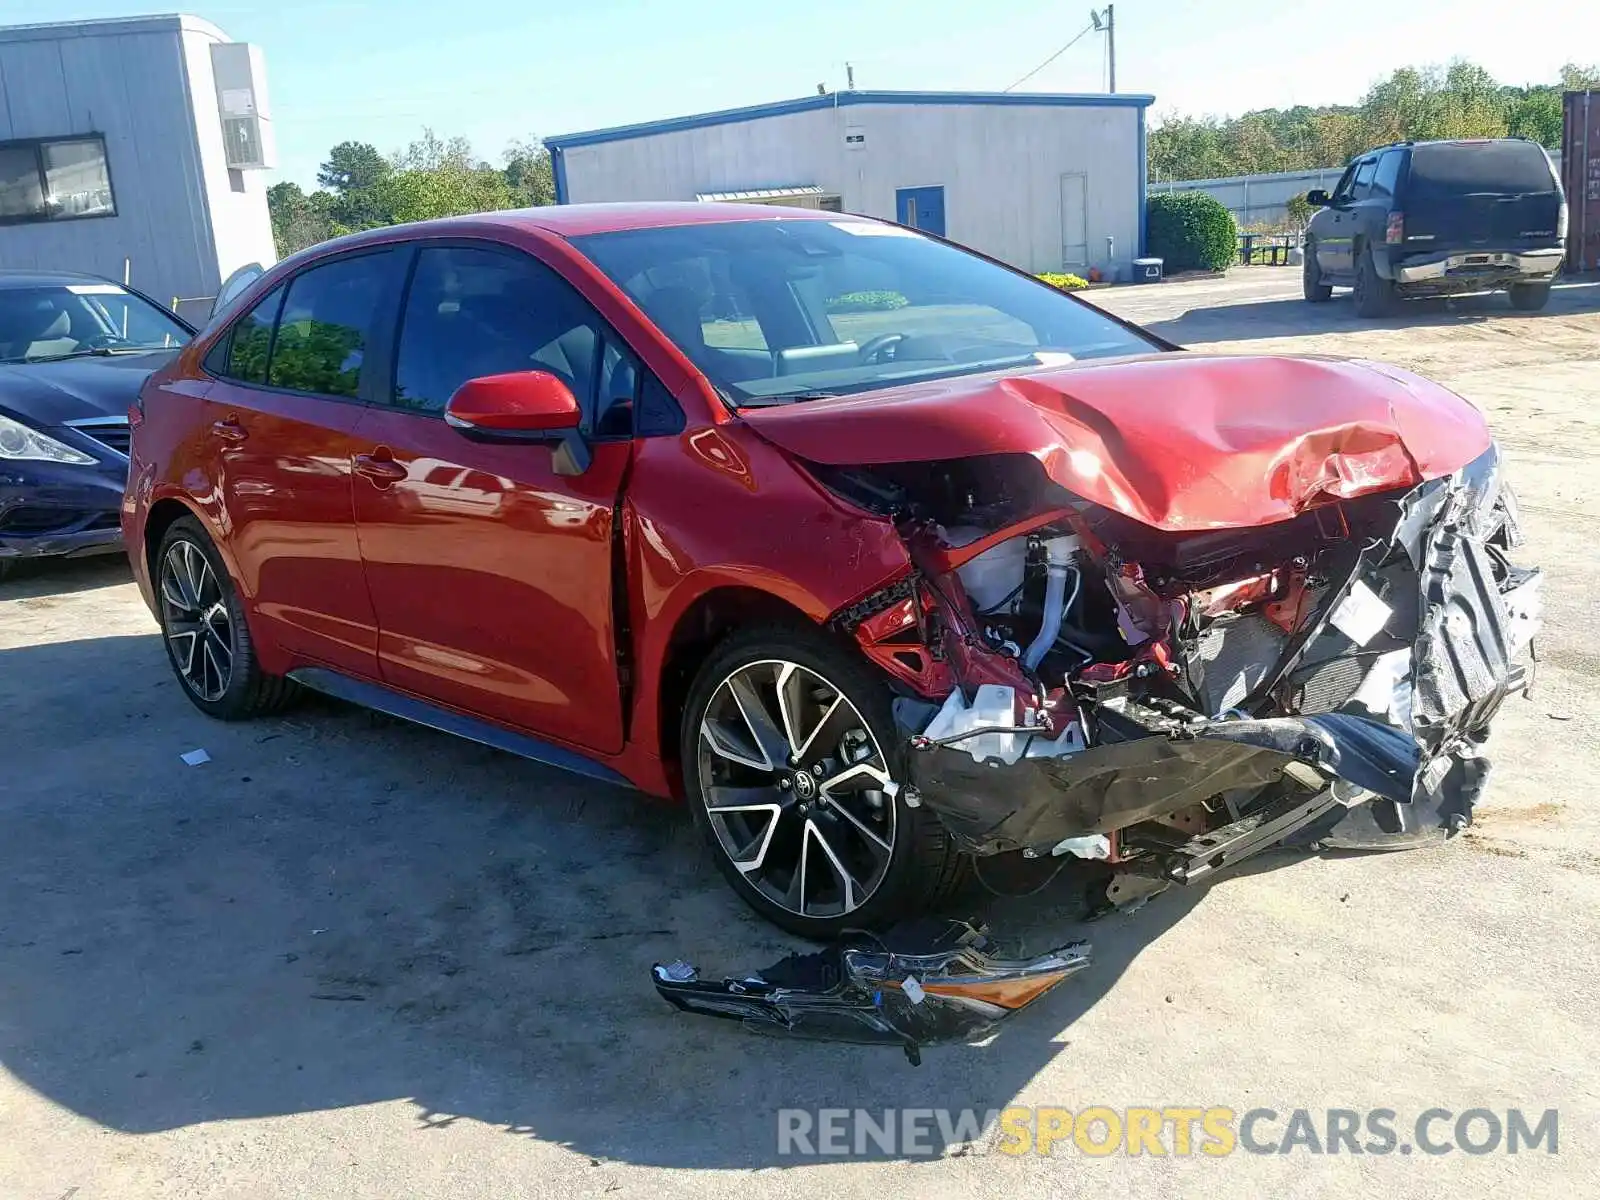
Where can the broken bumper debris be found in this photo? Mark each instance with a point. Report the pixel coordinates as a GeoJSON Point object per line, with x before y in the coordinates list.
{"type": "Point", "coordinates": [1338, 693]}
{"type": "Point", "coordinates": [916, 986]}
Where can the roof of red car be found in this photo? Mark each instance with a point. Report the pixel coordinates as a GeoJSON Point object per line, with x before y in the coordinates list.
{"type": "Point", "coordinates": [575, 220]}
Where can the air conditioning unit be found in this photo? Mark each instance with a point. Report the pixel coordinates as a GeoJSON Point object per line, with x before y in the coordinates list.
{"type": "Point", "coordinates": [241, 80]}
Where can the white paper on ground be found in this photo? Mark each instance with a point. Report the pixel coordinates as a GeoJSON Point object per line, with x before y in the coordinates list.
{"type": "Point", "coordinates": [195, 757]}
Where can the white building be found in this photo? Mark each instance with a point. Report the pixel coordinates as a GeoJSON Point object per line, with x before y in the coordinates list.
{"type": "Point", "coordinates": [1042, 181]}
{"type": "Point", "coordinates": [134, 145]}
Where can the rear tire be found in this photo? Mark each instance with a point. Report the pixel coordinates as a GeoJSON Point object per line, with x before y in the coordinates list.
{"type": "Point", "coordinates": [1530, 297]}
{"type": "Point", "coordinates": [758, 820]}
{"type": "Point", "coordinates": [1311, 283]}
{"type": "Point", "coordinates": [204, 629]}
{"type": "Point", "coordinates": [1375, 295]}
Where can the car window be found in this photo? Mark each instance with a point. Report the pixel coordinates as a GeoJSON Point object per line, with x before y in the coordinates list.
{"type": "Point", "coordinates": [327, 316]}
{"type": "Point", "coordinates": [1383, 183]}
{"type": "Point", "coordinates": [1362, 187]}
{"type": "Point", "coordinates": [251, 340]}
{"type": "Point", "coordinates": [1446, 170]}
{"type": "Point", "coordinates": [804, 306]}
{"type": "Point", "coordinates": [1341, 190]}
{"type": "Point", "coordinates": [473, 312]}
{"type": "Point", "coordinates": [69, 320]}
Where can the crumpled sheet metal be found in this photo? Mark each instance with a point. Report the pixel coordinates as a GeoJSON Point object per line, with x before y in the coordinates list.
{"type": "Point", "coordinates": [923, 984]}
{"type": "Point", "coordinates": [1419, 757]}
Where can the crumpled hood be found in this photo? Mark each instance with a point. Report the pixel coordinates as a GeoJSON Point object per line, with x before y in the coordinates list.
{"type": "Point", "coordinates": [75, 389]}
{"type": "Point", "coordinates": [1180, 442]}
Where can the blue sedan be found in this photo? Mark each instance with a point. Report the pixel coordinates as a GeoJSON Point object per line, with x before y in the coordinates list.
{"type": "Point", "coordinates": [74, 352]}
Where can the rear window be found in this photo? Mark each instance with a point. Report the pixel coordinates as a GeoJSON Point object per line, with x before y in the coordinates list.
{"type": "Point", "coordinates": [1482, 168]}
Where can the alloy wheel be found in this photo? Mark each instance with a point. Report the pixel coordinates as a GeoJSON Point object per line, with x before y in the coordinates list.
{"type": "Point", "coordinates": [196, 621]}
{"type": "Point", "coordinates": [797, 789]}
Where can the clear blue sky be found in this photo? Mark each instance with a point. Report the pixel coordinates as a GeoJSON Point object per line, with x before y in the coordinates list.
{"type": "Point", "coordinates": [493, 70]}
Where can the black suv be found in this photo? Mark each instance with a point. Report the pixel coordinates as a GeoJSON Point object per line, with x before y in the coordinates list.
{"type": "Point", "coordinates": [1436, 218]}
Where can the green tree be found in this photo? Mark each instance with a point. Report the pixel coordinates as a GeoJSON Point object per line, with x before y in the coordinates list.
{"type": "Point", "coordinates": [1578, 79]}
{"type": "Point", "coordinates": [529, 173]}
{"type": "Point", "coordinates": [1299, 211]}
{"type": "Point", "coordinates": [352, 167]}
{"type": "Point", "coordinates": [300, 220]}
{"type": "Point", "coordinates": [1536, 115]}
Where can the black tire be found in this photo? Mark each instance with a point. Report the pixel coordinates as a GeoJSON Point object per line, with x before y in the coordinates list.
{"type": "Point", "coordinates": [1530, 297]}
{"type": "Point", "coordinates": [923, 869]}
{"type": "Point", "coordinates": [1375, 295]}
{"type": "Point", "coordinates": [1311, 284]}
{"type": "Point", "coordinates": [246, 690]}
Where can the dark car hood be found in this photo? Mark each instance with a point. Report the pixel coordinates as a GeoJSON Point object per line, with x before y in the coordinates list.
{"type": "Point", "coordinates": [1176, 441]}
{"type": "Point", "coordinates": [74, 389]}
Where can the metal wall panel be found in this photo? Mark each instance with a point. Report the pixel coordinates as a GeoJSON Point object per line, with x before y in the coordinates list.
{"type": "Point", "coordinates": [1580, 160]}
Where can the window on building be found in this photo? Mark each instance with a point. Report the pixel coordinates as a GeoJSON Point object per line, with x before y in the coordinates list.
{"type": "Point", "coordinates": [55, 179]}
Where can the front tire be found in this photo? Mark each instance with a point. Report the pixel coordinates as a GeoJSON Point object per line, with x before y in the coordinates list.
{"type": "Point", "coordinates": [1375, 295]}
{"type": "Point", "coordinates": [789, 751]}
{"type": "Point", "coordinates": [1311, 284]}
{"type": "Point", "coordinates": [1530, 297]}
{"type": "Point", "coordinates": [203, 626]}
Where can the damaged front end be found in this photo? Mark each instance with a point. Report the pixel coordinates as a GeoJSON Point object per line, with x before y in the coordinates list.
{"type": "Point", "coordinates": [1076, 681]}
{"type": "Point", "coordinates": [919, 985]}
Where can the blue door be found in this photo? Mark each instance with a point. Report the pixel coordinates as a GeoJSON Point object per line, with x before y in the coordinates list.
{"type": "Point", "coordinates": [921, 208]}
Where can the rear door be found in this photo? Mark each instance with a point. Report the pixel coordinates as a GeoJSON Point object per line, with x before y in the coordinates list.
{"type": "Point", "coordinates": [293, 372]}
{"type": "Point", "coordinates": [491, 572]}
{"type": "Point", "coordinates": [1493, 195]}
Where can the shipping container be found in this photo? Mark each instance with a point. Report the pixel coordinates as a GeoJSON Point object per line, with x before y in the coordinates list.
{"type": "Point", "coordinates": [1580, 162]}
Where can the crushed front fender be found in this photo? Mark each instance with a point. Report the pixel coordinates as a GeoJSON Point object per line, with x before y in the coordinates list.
{"type": "Point", "coordinates": [1405, 749]}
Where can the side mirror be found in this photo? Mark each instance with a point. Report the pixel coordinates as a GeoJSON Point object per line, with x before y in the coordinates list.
{"type": "Point", "coordinates": [1317, 198]}
{"type": "Point", "coordinates": [522, 406]}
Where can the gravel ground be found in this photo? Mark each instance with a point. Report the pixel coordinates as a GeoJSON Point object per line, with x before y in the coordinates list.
{"type": "Point", "coordinates": [351, 958]}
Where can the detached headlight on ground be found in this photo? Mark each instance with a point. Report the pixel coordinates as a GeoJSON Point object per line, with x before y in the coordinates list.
{"type": "Point", "coordinates": [19, 442]}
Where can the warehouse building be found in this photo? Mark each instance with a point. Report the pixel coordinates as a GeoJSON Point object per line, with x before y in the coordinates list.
{"type": "Point", "coordinates": [1045, 182]}
{"type": "Point", "coordinates": [134, 146]}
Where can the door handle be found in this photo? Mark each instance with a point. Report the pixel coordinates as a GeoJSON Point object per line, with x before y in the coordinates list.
{"type": "Point", "coordinates": [379, 468]}
{"type": "Point", "coordinates": [229, 430]}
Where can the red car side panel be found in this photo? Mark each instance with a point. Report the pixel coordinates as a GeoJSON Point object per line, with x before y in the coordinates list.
{"type": "Point", "coordinates": [281, 463]}
{"type": "Point", "coordinates": [491, 576]}
{"type": "Point", "coordinates": [716, 507]}
{"type": "Point", "coordinates": [1180, 442]}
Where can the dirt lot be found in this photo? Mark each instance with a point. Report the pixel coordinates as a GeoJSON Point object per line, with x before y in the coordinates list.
{"type": "Point", "coordinates": [350, 958]}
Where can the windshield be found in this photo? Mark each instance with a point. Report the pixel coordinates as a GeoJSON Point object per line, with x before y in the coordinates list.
{"type": "Point", "coordinates": [775, 311]}
{"type": "Point", "coordinates": [1451, 169]}
{"type": "Point", "coordinates": [63, 320]}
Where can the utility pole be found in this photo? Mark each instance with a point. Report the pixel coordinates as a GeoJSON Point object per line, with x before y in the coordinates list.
{"type": "Point", "coordinates": [1106, 23]}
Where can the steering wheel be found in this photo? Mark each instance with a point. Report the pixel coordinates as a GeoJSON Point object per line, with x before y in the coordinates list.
{"type": "Point", "coordinates": [872, 352]}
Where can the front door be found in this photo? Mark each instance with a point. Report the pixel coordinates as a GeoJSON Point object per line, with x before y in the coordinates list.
{"type": "Point", "coordinates": [283, 429]}
{"type": "Point", "coordinates": [1335, 226]}
{"type": "Point", "coordinates": [921, 208]}
{"type": "Point", "coordinates": [490, 572]}
{"type": "Point", "coordinates": [1074, 221]}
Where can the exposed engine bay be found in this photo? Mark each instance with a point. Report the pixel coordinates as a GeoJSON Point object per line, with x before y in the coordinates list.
{"type": "Point", "coordinates": [1073, 681]}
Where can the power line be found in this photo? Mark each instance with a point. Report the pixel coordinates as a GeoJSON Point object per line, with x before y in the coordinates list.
{"type": "Point", "coordinates": [1086, 29]}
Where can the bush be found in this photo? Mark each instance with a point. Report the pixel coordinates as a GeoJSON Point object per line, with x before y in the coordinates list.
{"type": "Point", "coordinates": [1191, 231]}
{"type": "Point", "coordinates": [1067, 283]}
{"type": "Point", "coordinates": [854, 302]}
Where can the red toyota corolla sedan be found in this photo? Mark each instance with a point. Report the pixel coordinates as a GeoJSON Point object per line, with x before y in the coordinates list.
{"type": "Point", "coordinates": [882, 555]}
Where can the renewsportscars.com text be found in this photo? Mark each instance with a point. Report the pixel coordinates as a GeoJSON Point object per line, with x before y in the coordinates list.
{"type": "Point", "coordinates": [1177, 1131]}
